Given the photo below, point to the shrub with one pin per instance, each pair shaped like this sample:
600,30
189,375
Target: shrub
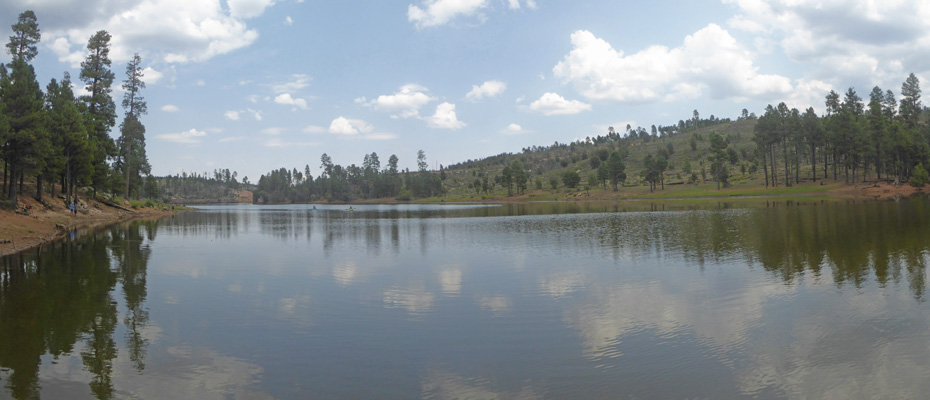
920,176
404,195
571,179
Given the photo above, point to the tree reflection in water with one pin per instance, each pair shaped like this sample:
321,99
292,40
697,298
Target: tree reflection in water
59,299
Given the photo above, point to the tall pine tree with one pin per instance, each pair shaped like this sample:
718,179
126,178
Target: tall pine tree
133,160
101,110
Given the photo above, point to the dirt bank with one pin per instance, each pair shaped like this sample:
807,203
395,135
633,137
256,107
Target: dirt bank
879,191
52,220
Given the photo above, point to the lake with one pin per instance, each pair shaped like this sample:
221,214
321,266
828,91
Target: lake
637,299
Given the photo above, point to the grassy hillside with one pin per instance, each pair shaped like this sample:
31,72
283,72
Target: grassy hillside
553,161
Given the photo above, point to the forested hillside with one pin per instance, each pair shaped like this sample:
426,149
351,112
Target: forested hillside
852,142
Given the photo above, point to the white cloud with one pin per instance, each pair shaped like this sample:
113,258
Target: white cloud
710,59
201,82
380,136
487,89
191,136
231,115
515,4
862,41
62,48
513,129
286,99
150,76
314,129
248,8
276,142
445,117
232,139
193,31
297,82
810,93
345,126
271,131
404,103
438,12
255,113
553,104
288,21
170,108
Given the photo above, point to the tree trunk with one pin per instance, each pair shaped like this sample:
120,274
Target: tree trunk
12,193
39,187
787,174
825,166
765,169
66,181
128,165
814,162
774,166
797,164
834,163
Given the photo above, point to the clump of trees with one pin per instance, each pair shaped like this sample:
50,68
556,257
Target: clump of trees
56,137
338,183
853,138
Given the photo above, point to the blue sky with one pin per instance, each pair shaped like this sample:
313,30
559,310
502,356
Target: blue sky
255,85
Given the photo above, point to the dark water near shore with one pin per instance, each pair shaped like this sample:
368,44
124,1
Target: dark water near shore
771,299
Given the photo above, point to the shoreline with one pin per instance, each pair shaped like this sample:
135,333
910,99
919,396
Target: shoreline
51,221
834,189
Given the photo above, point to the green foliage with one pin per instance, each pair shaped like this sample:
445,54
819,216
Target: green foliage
616,170
27,144
133,160
101,110
719,159
654,170
404,195
554,182
571,179
26,35
919,176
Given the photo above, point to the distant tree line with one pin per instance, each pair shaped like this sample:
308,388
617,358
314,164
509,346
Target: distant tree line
184,187
338,183
55,137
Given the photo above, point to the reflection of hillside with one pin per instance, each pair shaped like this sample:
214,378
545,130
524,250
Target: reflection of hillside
207,224
59,299
851,241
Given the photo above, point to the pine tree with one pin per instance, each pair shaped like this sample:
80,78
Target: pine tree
133,160
26,35
68,134
101,110
26,140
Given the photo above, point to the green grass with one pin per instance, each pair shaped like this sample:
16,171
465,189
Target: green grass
710,190
136,204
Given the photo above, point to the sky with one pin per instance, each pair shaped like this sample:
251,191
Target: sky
256,85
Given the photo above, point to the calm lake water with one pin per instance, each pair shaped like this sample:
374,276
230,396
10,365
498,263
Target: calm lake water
764,299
